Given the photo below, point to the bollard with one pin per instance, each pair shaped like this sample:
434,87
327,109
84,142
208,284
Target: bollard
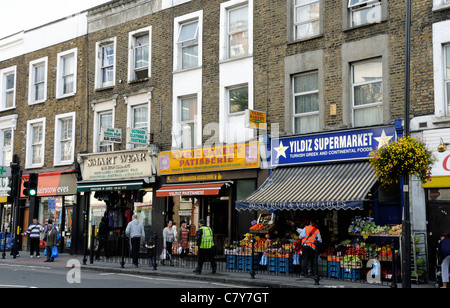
91,257
394,270
252,269
155,250
122,263
316,267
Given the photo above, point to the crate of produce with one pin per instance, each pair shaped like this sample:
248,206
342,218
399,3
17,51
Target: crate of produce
231,262
334,270
351,274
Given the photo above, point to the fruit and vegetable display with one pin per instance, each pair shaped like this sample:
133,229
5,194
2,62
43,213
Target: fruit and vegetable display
366,226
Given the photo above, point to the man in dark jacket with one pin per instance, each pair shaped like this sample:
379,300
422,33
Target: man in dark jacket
102,236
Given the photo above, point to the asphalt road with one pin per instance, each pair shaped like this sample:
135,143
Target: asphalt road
45,276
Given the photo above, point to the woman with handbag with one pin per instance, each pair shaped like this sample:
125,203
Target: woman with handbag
168,238
51,240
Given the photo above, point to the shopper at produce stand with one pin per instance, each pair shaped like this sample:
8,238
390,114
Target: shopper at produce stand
310,236
205,242
444,254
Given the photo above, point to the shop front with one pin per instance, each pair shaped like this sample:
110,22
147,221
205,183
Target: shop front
326,178
115,186
56,200
204,184
437,194
5,214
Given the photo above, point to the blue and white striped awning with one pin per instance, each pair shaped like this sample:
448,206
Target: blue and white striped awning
319,187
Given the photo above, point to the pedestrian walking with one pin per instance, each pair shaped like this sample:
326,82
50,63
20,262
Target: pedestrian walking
34,234
102,237
444,256
310,236
51,238
183,241
169,239
205,242
135,231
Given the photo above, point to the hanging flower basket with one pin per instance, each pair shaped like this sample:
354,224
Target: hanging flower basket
404,156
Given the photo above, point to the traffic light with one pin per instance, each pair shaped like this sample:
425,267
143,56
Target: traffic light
31,185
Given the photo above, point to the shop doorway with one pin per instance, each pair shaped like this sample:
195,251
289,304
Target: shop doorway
219,222
438,214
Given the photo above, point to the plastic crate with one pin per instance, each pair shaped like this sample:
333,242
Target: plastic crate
334,270
351,274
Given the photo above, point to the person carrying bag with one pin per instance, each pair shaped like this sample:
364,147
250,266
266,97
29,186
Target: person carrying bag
51,250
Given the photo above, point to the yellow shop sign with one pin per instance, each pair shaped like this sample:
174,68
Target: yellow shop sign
227,157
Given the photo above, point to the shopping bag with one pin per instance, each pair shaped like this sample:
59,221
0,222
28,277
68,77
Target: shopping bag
296,258
263,260
45,251
163,254
55,253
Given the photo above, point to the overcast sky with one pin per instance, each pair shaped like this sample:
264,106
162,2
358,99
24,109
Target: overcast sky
18,15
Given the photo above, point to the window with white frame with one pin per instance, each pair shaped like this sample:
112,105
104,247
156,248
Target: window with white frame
238,31
66,82
188,121
64,138
8,88
139,118
106,63
6,143
187,44
237,100
447,77
306,103
367,92
37,92
306,18
105,120
364,12
35,143
139,54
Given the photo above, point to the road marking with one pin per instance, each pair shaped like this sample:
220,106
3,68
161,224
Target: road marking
16,286
27,266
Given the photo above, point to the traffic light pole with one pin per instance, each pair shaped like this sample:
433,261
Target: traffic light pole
16,175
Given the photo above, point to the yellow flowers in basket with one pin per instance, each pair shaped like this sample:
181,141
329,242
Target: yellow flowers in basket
407,155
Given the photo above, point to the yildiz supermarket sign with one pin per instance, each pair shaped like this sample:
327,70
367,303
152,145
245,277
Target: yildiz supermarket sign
329,147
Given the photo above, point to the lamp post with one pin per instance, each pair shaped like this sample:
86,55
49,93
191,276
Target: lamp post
406,223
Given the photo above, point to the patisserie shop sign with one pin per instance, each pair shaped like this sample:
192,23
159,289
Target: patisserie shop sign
116,165
331,146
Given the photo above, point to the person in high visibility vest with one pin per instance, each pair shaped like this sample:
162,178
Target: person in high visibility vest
310,236
205,242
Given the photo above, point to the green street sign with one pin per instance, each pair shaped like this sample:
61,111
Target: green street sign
5,172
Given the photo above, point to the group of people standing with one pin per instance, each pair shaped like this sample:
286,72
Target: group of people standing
50,237
205,242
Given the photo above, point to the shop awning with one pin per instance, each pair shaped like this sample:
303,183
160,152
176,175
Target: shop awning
196,189
110,185
332,186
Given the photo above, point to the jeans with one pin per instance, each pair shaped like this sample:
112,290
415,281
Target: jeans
444,268
135,244
34,246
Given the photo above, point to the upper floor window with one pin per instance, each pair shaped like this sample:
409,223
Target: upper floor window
6,144
35,143
8,88
238,31
37,92
364,12
139,56
306,18
106,63
187,44
66,82
367,92
64,139
105,120
447,77
238,100
188,116
306,103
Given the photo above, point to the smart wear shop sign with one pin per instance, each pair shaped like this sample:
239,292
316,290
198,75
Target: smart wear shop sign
329,147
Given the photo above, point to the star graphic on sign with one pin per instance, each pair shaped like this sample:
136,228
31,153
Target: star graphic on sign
281,150
383,139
